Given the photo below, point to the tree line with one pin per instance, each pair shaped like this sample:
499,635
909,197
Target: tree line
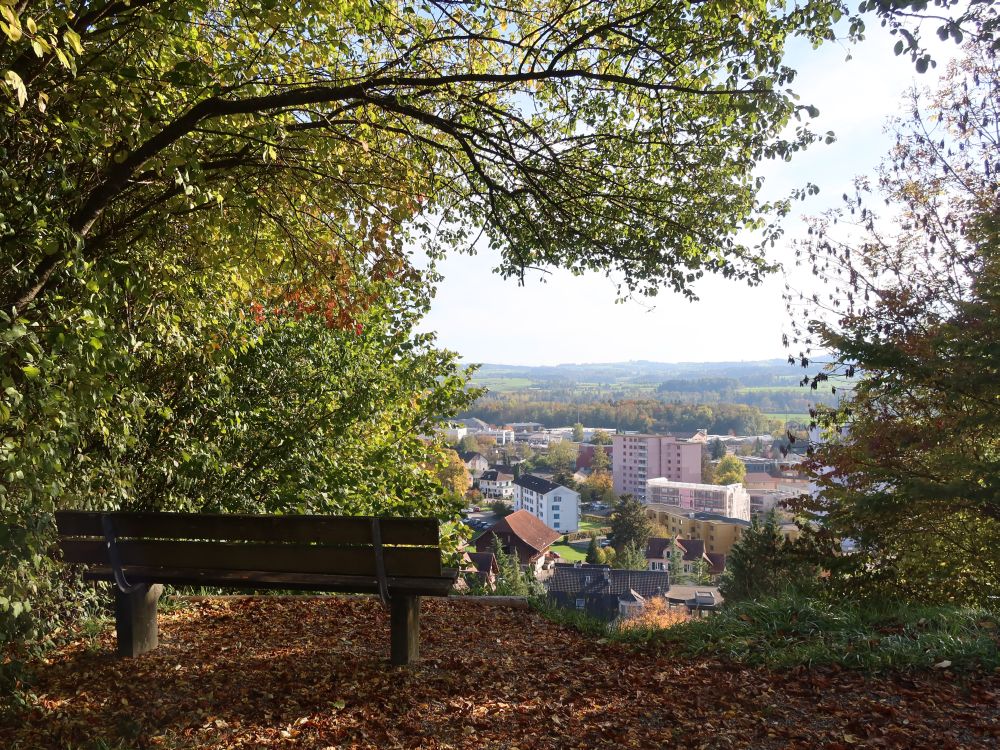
644,415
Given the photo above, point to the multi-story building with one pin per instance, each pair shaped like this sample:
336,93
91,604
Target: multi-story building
551,503
496,485
638,458
730,500
718,532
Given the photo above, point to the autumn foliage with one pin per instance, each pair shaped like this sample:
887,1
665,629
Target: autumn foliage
656,615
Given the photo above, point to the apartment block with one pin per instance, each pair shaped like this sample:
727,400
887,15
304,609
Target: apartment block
638,458
731,500
718,532
550,503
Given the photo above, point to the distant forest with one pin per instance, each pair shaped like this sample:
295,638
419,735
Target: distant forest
722,397
646,415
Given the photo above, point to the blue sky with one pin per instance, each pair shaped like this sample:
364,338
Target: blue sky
564,318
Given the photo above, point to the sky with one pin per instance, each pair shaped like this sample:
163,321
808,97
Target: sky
561,318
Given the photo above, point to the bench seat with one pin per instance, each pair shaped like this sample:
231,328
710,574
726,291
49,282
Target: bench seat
260,579
399,559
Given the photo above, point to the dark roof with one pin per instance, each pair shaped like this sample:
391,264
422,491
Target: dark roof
571,578
631,596
484,561
493,475
694,549
470,455
527,528
717,563
536,484
658,547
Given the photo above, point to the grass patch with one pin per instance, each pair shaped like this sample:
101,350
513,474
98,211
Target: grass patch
569,552
790,631
789,417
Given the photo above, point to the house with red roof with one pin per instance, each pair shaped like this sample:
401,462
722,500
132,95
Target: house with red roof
520,533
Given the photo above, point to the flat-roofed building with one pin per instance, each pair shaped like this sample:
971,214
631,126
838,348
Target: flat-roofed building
730,500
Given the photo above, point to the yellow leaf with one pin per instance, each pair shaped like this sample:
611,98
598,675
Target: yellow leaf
14,81
73,40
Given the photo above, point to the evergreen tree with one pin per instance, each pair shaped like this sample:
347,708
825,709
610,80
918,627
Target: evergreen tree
718,449
630,525
594,551
512,580
632,557
762,563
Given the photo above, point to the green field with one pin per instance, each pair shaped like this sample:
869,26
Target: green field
789,417
503,384
569,552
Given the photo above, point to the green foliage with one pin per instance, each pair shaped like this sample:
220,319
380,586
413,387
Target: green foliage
561,457
718,449
468,444
631,557
601,437
792,630
501,508
764,564
643,414
578,433
600,462
629,525
909,468
730,470
595,555
512,580
697,573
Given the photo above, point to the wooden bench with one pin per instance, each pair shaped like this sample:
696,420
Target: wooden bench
399,559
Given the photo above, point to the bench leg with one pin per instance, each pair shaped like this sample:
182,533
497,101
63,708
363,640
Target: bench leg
404,628
135,619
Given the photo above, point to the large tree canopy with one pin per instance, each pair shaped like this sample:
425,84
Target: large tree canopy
585,135
910,469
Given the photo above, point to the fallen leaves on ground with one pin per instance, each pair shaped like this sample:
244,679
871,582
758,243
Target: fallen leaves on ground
277,672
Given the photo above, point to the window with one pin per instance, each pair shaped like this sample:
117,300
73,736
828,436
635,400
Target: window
580,603
555,524
555,515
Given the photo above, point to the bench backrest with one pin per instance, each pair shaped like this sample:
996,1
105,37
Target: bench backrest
282,544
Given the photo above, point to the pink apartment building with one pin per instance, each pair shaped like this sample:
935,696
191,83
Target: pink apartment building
638,458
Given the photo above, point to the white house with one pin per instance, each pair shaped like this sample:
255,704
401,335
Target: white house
496,485
556,506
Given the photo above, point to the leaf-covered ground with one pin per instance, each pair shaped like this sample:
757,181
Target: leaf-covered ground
314,673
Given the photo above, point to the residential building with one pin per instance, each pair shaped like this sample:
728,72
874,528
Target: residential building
522,534
551,503
638,458
475,462
660,549
731,500
764,501
604,592
480,568
718,532
496,485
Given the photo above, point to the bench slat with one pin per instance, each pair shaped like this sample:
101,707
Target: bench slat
250,579
225,526
278,558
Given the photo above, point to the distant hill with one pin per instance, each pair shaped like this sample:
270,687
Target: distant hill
771,385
